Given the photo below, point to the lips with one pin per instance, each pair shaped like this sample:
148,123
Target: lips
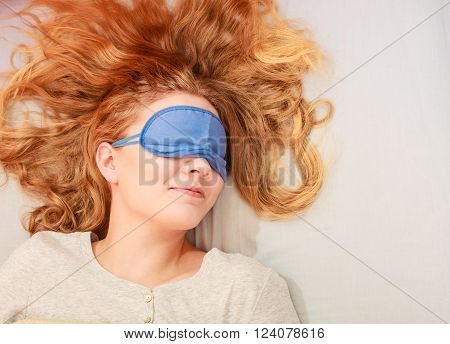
198,191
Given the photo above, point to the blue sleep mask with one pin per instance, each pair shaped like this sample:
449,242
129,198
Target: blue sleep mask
183,130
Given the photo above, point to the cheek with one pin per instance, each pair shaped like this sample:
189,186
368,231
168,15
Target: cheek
153,169
141,182
217,188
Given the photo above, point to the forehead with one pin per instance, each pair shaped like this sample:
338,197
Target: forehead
146,111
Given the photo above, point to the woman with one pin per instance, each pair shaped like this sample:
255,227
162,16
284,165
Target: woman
108,244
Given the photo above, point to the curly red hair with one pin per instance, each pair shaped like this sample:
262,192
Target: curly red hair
95,61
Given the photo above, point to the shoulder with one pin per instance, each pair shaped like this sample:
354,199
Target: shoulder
261,292
45,255
52,237
45,246
251,291
34,260
20,258
18,268
241,269
236,259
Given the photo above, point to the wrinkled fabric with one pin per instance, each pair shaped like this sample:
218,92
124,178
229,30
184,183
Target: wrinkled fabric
55,276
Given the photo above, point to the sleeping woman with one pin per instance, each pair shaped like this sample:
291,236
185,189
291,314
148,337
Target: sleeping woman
147,111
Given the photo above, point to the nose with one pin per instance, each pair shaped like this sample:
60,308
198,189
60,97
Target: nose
198,164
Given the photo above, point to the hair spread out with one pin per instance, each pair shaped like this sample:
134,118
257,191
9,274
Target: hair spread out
95,62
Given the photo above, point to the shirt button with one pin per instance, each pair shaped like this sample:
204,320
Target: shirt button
148,320
148,298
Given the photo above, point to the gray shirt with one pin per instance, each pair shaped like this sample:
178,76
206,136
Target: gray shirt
55,275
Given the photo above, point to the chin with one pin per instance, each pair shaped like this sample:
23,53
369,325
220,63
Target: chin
183,218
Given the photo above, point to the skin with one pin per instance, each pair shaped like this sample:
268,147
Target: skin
145,242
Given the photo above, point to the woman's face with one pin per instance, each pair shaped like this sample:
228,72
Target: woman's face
142,183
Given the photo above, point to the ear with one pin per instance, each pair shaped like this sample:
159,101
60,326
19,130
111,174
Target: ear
105,161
